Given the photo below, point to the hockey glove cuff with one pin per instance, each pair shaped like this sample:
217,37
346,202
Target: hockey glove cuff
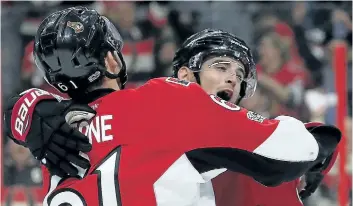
35,119
329,138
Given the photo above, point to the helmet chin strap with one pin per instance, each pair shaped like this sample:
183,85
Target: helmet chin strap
238,100
197,77
241,93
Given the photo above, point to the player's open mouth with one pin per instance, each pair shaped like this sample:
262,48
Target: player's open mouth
225,94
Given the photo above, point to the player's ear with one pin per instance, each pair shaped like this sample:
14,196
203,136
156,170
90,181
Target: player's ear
112,64
185,73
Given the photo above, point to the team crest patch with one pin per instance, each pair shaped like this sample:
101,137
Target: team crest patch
224,103
76,26
255,117
178,81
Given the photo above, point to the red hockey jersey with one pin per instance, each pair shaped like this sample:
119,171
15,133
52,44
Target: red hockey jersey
156,144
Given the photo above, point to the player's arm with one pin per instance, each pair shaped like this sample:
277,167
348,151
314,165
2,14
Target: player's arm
35,119
265,149
308,183
232,137
316,174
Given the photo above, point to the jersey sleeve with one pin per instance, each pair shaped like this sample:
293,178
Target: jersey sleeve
228,136
26,101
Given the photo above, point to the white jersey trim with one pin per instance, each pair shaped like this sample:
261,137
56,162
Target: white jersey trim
291,142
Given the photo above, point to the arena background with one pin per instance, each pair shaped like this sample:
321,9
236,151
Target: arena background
303,46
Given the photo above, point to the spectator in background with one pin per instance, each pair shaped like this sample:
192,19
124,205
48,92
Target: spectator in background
322,100
264,22
286,35
310,49
300,53
183,23
283,81
21,173
21,169
149,44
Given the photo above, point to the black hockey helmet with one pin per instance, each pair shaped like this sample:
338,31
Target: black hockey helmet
208,43
70,47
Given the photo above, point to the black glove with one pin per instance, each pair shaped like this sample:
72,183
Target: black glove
313,181
329,137
39,124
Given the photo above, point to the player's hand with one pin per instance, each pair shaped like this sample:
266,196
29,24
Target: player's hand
316,174
36,120
78,115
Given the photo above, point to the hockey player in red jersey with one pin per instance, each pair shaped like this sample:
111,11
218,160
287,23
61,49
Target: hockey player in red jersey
235,189
138,156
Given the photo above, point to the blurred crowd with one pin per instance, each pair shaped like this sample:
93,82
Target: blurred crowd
293,43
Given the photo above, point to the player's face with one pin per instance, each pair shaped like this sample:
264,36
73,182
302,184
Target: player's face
222,76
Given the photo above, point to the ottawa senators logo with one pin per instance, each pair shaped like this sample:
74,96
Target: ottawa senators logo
76,26
224,103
